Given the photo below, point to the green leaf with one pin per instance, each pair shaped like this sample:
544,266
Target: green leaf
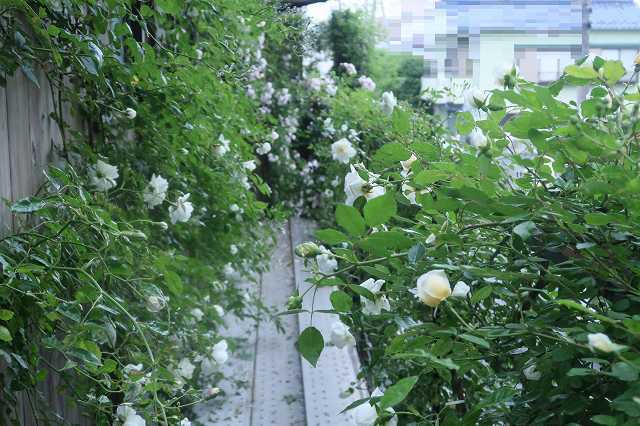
465,122
5,334
380,209
380,241
401,122
624,372
350,219
27,205
613,71
427,177
330,236
341,301
354,404
390,154
5,315
174,283
598,218
398,392
581,72
581,372
525,230
416,253
171,7
603,419
310,344
476,340
481,294
361,291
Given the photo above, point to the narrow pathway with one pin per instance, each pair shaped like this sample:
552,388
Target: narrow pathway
268,383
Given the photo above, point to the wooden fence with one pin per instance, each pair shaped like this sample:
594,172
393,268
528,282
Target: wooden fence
29,141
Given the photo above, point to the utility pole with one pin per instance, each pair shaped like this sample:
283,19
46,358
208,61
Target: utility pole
584,48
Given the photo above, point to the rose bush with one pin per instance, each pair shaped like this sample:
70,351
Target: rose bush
538,227
123,267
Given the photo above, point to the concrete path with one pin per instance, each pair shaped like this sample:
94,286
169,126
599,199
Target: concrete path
268,382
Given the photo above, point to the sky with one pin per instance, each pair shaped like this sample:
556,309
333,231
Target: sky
321,11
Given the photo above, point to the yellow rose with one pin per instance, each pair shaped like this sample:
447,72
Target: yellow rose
433,287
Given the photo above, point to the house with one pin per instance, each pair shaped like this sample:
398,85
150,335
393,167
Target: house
464,42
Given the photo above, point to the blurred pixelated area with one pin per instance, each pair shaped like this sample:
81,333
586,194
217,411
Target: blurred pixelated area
463,42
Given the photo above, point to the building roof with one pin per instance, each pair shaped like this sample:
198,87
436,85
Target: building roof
615,15
538,15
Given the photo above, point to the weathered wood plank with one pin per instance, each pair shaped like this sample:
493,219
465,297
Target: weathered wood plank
5,166
20,148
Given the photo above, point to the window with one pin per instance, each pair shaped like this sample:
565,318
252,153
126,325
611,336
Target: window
542,64
458,64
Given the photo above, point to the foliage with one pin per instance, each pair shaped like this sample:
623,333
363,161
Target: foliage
537,227
128,293
349,36
398,73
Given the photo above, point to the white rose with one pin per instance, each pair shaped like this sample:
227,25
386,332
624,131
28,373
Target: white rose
220,352
477,138
263,149
283,97
433,287
197,314
475,97
381,302
134,420
531,373
327,264
343,151
125,410
181,212
103,176
340,335
249,165
355,186
506,75
602,342
185,422
211,391
130,113
155,303
185,368
350,69
219,310
366,83
388,103
314,84
365,415
461,289
156,191
132,368
223,145
233,249
406,164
